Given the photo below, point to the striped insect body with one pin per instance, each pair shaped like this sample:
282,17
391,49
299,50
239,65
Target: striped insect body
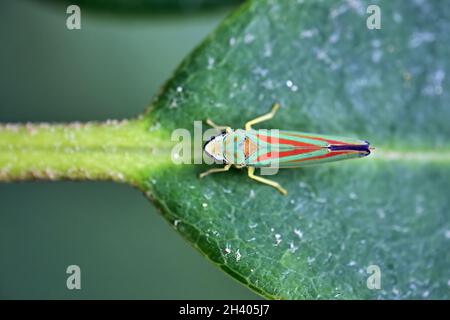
277,148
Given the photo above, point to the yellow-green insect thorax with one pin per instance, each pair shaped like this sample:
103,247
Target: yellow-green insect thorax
233,147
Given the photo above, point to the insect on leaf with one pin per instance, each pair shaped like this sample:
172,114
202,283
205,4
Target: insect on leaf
331,75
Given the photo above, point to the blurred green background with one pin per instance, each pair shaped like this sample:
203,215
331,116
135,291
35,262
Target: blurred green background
110,68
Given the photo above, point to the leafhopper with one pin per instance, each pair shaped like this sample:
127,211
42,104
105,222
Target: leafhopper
253,149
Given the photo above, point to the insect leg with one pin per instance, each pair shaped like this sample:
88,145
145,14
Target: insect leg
276,185
264,117
215,126
215,170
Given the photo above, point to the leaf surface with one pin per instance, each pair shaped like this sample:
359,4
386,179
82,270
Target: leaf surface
332,75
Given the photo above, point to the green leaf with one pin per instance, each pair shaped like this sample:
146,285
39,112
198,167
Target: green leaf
331,75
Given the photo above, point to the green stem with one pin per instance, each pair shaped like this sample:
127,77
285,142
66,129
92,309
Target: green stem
124,151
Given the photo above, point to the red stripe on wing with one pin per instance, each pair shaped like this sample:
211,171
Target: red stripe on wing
273,140
274,155
323,156
316,138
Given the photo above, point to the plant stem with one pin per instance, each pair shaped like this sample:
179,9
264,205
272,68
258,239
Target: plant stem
122,151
